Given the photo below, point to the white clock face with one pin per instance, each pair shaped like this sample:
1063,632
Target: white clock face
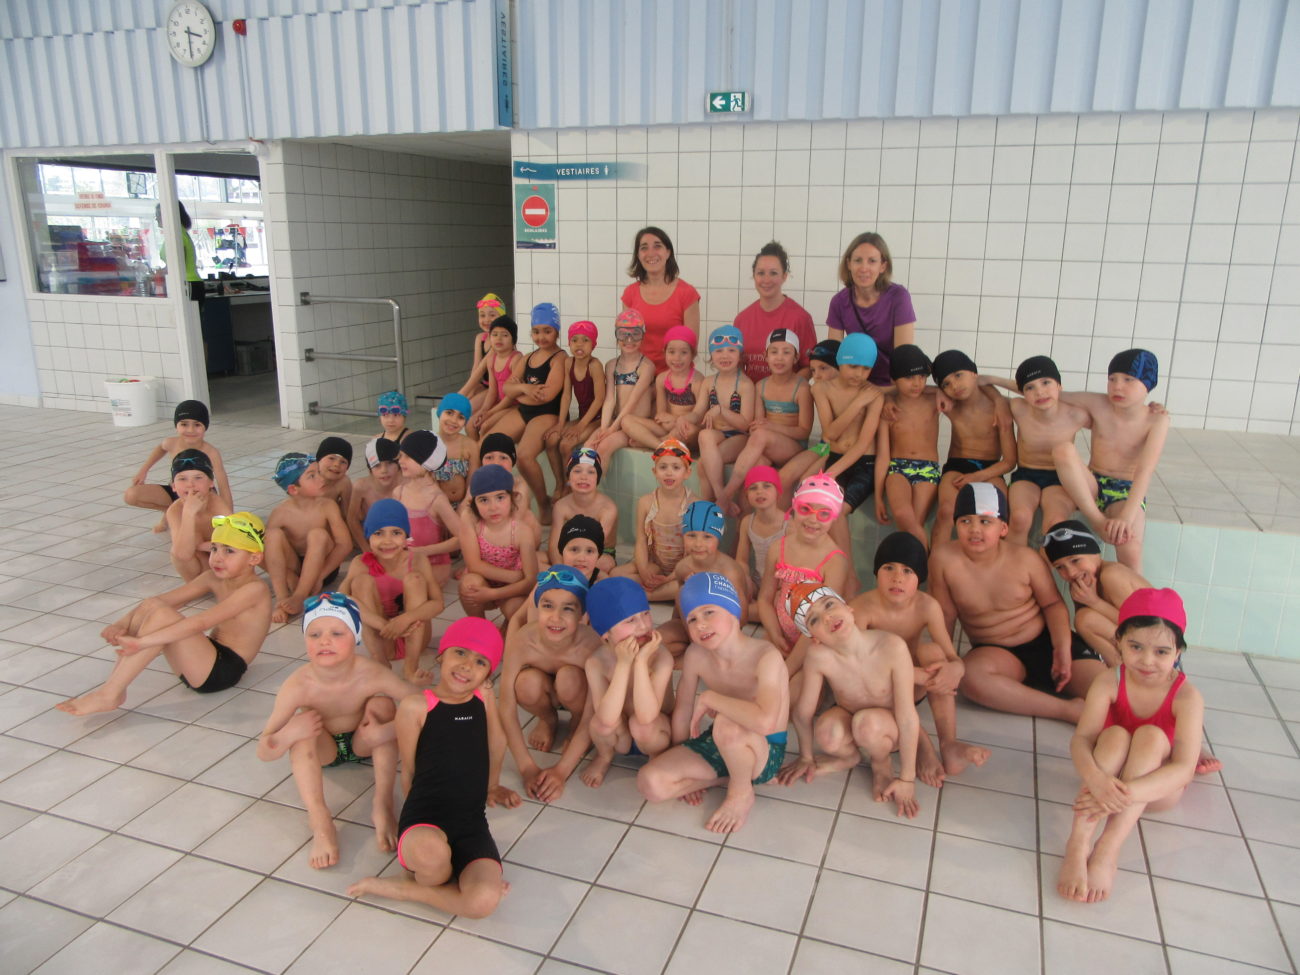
191,32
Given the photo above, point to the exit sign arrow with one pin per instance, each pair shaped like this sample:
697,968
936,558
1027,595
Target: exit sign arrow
728,101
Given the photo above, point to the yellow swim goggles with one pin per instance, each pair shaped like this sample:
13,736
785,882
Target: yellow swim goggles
242,530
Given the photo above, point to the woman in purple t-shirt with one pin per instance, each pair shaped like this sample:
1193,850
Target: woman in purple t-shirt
871,304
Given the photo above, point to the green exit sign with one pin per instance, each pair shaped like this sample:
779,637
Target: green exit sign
728,101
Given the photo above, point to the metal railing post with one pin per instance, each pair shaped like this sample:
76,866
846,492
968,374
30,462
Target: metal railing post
398,360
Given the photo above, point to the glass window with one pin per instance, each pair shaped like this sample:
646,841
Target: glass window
212,189
89,232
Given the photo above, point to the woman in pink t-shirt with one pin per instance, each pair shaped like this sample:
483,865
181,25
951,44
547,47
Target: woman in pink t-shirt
773,310
662,298
871,304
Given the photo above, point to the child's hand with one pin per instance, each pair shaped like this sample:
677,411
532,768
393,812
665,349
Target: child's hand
701,711
112,633
655,578
305,724
193,503
395,627
1061,668
547,786
1156,409
890,412
944,677
665,420
882,515
127,645
625,651
499,795
138,479
943,403
1117,531
1084,591
1104,794
904,796
417,676
800,768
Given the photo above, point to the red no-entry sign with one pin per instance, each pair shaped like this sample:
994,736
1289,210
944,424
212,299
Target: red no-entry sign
535,211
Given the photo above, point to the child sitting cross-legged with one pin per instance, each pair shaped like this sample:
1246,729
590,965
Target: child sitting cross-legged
451,746
395,590
208,651
306,538
189,519
761,527
1136,745
747,695
870,676
898,606
627,678
336,708
385,474
545,668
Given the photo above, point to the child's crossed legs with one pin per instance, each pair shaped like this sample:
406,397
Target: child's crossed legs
426,854
374,738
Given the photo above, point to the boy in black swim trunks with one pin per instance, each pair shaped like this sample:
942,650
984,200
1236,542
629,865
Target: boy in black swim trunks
1026,659
983,443
909,437
1044,423
192,422
451,745
336,708
748,696
205,661
848,408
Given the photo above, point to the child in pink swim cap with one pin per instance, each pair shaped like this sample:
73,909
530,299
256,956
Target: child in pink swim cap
676,392
451,743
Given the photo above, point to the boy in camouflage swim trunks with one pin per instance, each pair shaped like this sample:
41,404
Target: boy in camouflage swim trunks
909,436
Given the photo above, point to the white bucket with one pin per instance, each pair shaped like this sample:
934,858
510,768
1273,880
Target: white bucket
131,401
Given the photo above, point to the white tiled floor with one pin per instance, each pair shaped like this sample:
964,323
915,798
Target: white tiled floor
152,839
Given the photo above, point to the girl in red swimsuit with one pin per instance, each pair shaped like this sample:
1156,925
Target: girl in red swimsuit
395,590
1136,744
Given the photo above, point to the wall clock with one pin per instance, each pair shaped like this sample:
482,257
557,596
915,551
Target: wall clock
191,32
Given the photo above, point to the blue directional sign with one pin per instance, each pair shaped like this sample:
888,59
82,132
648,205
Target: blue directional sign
569,170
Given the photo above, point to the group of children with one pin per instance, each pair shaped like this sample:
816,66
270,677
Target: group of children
848,669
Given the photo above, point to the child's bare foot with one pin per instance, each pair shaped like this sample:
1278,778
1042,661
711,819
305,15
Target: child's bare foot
93,702
324,846
161,527
543,734
882,773
694,798
1101,876
733,812
385,830
594,773
1072,883
957,755
1207,764
929,769
377,886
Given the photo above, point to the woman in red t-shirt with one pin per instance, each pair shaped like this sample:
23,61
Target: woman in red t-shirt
773,310
662,298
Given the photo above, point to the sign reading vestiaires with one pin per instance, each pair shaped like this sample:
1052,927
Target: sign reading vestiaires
728,101
534,216
571,170
501,57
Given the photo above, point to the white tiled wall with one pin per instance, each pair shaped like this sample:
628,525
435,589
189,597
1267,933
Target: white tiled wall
81,341
1075,236
434,234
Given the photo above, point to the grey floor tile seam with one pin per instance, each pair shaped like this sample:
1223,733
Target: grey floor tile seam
1277,713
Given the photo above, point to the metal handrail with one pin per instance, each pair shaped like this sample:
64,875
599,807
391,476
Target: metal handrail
311,355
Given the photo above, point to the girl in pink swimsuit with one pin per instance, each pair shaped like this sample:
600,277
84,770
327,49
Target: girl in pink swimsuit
497,366
395,590
1137,741
434,523
676,392
500,548
805,553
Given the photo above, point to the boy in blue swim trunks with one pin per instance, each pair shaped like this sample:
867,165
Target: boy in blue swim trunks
1128,435
335,709
748,697
627,677
909,437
